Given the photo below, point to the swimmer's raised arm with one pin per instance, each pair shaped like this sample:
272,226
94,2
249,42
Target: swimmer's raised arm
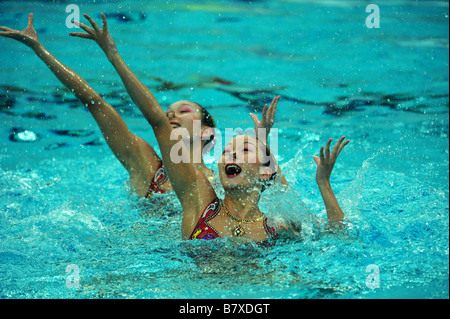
66,75
267,120
266,123
138,92
182,174
325,163
191,186
131,150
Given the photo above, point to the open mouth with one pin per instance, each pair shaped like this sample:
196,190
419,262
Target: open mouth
175,124
232,170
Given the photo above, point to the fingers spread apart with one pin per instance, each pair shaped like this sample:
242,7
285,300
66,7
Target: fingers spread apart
84,27
81,35
339,146
105,24
336,149
92,22
6,29
30,19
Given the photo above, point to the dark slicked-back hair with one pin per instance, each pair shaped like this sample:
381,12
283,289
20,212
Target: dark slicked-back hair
269,162
207,120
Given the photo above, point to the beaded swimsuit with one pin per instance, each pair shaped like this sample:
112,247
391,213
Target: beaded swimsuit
204,231
159,179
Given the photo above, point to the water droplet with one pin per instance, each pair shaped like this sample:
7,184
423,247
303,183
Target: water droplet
24,136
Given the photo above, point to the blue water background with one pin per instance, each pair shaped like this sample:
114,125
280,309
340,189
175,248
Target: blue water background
64,198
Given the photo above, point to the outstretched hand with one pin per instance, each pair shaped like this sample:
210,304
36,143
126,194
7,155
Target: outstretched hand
100,36
28,36
325,163
268,117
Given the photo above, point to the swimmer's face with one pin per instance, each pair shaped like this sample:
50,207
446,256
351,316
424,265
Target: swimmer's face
241,163
183,114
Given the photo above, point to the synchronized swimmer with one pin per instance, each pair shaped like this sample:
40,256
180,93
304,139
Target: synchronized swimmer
243,167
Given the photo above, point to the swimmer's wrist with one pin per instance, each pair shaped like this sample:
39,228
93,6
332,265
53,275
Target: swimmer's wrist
323,182
112,57
37,47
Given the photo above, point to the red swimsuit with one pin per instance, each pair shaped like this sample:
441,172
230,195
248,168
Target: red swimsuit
159,179
204,231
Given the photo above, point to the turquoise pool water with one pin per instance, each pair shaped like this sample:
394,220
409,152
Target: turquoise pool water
64,198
